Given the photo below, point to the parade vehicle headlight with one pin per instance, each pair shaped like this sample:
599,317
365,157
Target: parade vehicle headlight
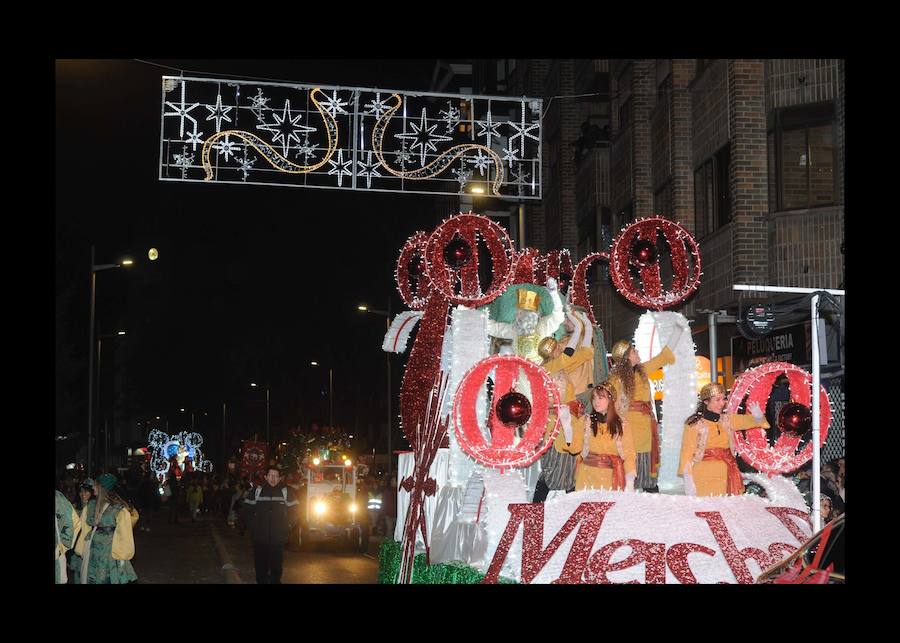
353,508
348,463
320,508
316,461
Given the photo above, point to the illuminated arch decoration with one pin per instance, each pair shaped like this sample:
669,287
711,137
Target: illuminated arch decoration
685,257
165,447
753,445
504,449
350,138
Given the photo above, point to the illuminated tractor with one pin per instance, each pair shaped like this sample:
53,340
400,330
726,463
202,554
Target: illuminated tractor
331,512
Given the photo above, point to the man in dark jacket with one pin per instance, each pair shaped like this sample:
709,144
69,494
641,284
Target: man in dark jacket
270,513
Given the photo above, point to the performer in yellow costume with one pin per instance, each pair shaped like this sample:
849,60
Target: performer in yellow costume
610,462
629,378
707,445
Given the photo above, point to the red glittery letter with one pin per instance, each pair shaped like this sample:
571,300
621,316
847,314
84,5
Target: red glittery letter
736,558
534,555
677,559
652,554
783,514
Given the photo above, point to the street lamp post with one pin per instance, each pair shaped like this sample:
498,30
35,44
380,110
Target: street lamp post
254,385
94,270
387,327
100,406
330,393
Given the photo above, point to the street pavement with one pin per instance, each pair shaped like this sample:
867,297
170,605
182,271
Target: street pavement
209,552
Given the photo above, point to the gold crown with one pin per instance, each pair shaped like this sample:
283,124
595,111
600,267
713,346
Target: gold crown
711,389
609,388
546,347
620,350
528,299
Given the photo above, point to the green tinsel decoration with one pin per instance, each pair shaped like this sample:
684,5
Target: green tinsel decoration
504,307
440,574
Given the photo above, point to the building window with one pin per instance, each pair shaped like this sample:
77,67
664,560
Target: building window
803,141
712,192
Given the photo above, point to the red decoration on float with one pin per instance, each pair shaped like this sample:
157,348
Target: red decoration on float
444,277
410,262
752,445
526,267
502,452
651,295
580,295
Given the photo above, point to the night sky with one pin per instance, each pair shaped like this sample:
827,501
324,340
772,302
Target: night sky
252,283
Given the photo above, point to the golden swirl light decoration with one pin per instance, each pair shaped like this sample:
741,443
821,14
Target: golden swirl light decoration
267,152
437,166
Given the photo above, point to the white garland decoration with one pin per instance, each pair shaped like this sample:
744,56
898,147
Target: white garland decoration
403,326
679,389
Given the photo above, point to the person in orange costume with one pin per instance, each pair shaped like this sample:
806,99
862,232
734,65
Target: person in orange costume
707,446
610,462
629,378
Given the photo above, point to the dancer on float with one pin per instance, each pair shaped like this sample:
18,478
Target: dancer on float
707,446
629,378
610,462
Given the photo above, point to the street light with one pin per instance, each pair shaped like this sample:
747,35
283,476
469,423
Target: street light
254,385
95,268
99,406
387,324
330,394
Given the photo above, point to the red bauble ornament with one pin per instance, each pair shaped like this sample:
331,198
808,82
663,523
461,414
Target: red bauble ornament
513,410
643,253
795,419
457,253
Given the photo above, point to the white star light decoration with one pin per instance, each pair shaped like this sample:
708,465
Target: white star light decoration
376,106
259,101
368,169
306,150
424,137
194,138
481,162
334,105
462,176
246,165
403,156
451,115
523,131
488,128
509,154
226,147
520,178
182,112
285,128
184,160
339,167
218,112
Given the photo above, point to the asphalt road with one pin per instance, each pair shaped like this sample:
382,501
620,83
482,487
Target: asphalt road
196,552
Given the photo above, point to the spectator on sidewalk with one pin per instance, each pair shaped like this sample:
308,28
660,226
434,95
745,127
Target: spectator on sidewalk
270,513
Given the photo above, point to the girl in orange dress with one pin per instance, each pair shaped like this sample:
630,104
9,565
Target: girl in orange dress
707,446
610,462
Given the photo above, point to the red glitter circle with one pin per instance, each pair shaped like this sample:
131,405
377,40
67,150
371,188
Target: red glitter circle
415,245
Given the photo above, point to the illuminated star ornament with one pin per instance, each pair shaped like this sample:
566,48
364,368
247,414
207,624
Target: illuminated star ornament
334,105
481,162
285,128
182,112
520,178
306,150
339,167
226,147
246,165
376,106
368,169
218,112
488,128
424,137
523,131
194,137
451,115
259,101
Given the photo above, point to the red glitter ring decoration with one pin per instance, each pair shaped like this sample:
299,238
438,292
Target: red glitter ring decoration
465,229
502,451
411,264
752,445
635,247
580,295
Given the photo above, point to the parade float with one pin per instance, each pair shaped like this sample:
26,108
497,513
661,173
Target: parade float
479,411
